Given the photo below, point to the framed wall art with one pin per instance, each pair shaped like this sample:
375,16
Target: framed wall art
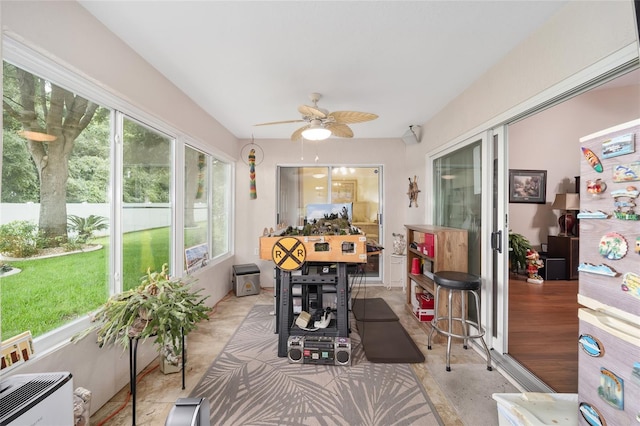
528,186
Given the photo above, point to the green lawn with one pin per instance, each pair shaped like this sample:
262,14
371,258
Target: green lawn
50,292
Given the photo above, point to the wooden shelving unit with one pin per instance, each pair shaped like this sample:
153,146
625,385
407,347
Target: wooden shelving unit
436,248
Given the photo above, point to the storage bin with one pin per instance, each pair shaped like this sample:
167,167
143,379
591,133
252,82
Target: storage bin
537,409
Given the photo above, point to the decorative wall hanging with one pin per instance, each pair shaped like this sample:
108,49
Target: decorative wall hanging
413,191
252,155
528,186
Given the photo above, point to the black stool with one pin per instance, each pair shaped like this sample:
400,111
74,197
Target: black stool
464,283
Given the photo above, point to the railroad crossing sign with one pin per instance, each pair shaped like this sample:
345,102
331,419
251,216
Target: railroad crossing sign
288,253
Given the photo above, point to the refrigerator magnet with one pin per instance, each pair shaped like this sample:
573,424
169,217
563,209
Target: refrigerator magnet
611,389
592,159
591,415
635,373
631,284
620,145
613,246
591,346
626,172
625,202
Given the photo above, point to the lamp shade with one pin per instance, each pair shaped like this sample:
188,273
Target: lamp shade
315,132
566,202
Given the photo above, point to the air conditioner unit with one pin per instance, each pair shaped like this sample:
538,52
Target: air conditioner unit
37,399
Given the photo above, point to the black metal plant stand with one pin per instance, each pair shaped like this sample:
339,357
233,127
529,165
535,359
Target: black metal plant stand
133,358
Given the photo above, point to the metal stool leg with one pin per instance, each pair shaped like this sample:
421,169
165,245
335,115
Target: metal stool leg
450,325
481,331
464,317
434,321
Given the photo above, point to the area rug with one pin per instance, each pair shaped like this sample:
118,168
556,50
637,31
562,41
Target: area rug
248,384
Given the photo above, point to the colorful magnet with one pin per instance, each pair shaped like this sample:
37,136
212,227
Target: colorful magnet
625,202
626,172
586,214
592,159
613,246
635,373
600,269
591,346
631,284
620,145
611,389
591,415
637,250
596,187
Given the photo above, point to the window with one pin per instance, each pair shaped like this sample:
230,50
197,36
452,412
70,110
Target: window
58,188
55,183
146,201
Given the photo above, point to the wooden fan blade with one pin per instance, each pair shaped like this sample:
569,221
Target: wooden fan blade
279,122
308,111
340,130
350,117
297,135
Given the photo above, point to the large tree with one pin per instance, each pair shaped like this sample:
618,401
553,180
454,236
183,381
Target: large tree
48,111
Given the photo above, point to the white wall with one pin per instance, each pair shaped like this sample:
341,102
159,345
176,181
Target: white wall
579,35
549,141
252,216
67,33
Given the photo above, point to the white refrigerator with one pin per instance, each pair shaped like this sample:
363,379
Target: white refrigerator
609,273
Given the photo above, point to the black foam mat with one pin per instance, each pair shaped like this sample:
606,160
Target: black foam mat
374,309
388,342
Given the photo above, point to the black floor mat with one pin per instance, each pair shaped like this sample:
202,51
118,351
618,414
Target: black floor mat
388,342
374,309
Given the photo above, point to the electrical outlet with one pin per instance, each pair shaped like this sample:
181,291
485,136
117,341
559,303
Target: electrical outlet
255,251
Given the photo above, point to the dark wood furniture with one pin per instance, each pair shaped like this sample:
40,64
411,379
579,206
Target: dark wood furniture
567,247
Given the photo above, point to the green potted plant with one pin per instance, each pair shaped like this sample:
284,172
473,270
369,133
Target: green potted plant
518,246
161,307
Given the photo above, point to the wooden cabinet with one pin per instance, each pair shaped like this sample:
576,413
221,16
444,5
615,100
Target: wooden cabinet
567,248
433,249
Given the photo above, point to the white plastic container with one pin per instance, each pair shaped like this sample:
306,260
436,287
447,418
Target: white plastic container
537,409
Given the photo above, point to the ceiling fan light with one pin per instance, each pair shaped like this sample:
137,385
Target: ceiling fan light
316,132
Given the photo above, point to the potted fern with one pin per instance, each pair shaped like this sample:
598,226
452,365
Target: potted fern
518,246
161,307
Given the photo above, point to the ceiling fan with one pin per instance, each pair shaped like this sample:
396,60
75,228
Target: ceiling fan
322,123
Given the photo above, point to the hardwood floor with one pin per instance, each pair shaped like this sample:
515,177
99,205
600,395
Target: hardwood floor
543,330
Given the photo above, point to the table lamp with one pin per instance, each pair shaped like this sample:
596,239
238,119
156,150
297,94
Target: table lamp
566,203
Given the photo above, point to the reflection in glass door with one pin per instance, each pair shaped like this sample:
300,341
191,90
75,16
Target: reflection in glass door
457,178
301,187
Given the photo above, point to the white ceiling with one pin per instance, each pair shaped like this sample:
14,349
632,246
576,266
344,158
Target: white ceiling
248,62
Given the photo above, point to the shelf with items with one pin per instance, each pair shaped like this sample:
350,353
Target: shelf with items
431,249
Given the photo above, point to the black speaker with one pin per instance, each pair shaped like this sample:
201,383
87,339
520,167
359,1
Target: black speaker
555,268
342,351
295,348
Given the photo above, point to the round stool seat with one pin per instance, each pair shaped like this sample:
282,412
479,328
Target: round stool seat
457,280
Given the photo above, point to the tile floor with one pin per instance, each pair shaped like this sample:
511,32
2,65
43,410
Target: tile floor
461,396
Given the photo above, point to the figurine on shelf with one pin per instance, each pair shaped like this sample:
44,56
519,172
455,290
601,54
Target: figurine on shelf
533,264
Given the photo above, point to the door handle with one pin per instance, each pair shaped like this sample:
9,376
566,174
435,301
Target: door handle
496,241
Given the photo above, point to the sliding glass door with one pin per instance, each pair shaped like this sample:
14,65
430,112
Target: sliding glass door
360,187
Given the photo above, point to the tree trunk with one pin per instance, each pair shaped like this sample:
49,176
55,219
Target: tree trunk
54,172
